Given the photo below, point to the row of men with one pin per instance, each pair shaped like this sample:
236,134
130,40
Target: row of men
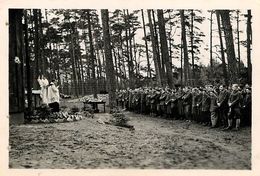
212,106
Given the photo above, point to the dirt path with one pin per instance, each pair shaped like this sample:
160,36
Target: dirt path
156,143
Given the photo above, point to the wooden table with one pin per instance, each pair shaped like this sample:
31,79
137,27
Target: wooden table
36,99
95,104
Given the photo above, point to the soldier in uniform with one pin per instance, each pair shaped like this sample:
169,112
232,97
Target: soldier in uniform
213,109
179,95
187,102
222,102
195,99
234,107
153,102
157,101
174,105
198,104
168,103
148,101
162,109
247,106
205,105
142,101
138,104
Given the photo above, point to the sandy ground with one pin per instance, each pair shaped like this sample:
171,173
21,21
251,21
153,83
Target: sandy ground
155,143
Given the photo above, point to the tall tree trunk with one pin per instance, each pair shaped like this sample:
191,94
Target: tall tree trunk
123,60
127,53
74,72
50,61
94,86
41,47
73,55
109,59
78,61
248,45
192,47
116,71
164,48
82,76
135,58
229,45
87,58
119,66
181,61
225,74
16,77
211,75
36,46
149,75
130,51
155,55
57,63
238,43
28,65
99,66
185,49
170,39
47,65
160,60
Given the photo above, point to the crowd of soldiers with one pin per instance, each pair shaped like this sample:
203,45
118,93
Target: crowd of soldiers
225,108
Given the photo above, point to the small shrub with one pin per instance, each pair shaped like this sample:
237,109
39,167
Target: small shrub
119,119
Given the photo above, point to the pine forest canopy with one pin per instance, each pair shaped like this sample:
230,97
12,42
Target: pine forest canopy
87,50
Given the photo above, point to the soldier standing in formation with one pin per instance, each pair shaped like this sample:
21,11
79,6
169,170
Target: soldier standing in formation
205,106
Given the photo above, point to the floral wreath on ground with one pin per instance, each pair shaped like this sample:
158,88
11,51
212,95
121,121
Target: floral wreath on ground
43,114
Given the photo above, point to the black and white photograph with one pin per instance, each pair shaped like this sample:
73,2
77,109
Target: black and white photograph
123,88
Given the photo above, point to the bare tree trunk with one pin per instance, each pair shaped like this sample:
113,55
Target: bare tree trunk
16,86
185,49
149,75
210,46
181,61
230,45
192,48
248,45
130,51
160,60
41,49
238,43
135,58
47,66
78,62
94,86
164,48
36,45
82,76
58,61
116,71
109,60
155,55
87,58
28,65
74,74
170,40
225,74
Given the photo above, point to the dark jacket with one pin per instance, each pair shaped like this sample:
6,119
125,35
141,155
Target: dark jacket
235,99
213,102
223,98
205,102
